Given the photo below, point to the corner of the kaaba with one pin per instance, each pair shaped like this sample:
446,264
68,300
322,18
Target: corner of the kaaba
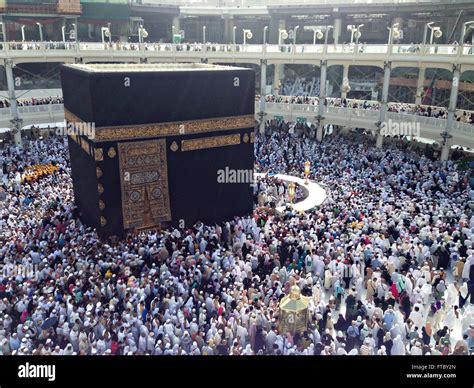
96,183
76,89
110,198
196,194
84,181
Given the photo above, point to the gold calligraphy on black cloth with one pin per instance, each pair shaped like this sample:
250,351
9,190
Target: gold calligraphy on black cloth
144,182
142,131
210,142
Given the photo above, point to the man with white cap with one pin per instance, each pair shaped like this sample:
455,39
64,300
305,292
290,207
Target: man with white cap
14,342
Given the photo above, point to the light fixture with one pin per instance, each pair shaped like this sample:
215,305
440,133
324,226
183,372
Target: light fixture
291,191
307,169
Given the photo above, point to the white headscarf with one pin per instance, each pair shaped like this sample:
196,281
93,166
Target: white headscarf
398,348
451,295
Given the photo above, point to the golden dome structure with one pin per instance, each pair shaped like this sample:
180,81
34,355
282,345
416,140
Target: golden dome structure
294,313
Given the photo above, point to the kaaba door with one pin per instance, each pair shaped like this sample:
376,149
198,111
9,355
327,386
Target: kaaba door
144,184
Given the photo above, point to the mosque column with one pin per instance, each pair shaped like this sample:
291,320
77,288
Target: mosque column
263,84
228,29
176,23
345,78
279,68
398,20
453,99
336,32
281,26
16,121
322,97
420,86
76,33
90,31
383,104
279,74
273,31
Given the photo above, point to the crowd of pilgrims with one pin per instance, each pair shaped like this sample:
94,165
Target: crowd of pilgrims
270,192
386,261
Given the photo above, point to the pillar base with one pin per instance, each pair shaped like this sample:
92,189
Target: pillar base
261,127
379,141
319,134
445,153
17,138
345,129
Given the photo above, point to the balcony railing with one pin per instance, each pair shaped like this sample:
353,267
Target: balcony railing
246,3
210,49
347,114
29,110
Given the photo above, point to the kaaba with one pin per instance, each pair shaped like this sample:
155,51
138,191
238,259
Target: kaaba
157,138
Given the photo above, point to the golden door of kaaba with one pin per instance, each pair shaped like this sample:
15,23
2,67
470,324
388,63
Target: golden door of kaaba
144,183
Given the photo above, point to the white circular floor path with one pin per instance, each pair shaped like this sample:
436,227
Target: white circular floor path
316,194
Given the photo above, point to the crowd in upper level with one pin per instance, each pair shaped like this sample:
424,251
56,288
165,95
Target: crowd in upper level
5,103
463,116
